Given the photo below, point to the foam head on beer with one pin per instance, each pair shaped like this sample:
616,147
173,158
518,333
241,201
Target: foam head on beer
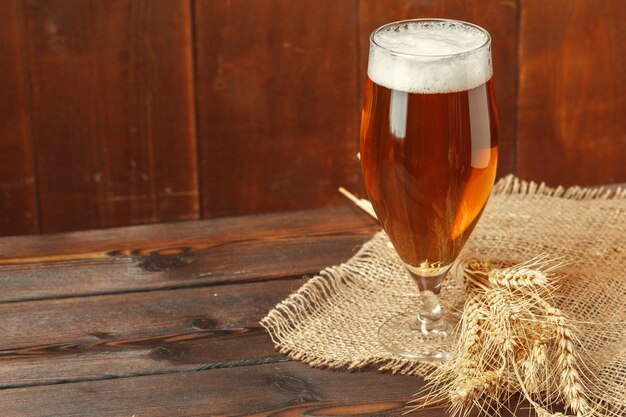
430,57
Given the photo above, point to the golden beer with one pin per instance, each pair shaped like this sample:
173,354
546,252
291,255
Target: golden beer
430,179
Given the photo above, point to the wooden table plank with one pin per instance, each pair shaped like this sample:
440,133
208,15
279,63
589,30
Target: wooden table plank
114,336
283,389
196,235
239,262
191,254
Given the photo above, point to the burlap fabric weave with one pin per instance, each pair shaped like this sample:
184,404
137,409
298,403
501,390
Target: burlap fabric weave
332,320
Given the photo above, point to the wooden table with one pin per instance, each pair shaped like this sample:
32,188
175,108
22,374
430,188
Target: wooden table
163,320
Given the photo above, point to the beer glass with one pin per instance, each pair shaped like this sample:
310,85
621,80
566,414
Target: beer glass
428,155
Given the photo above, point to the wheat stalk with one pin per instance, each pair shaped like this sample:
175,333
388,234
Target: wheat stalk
513,340
513,278
571,384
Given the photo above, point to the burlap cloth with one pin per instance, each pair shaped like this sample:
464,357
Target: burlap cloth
332,320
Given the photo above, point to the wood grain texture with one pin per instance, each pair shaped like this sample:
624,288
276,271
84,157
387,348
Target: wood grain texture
572,96
100,337
195,254
283,389
18,206
276,90
67,336
142,240
113,112
499,17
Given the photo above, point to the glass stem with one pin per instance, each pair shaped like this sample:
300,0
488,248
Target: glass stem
429,316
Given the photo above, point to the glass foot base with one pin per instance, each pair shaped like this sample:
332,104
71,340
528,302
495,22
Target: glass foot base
408,337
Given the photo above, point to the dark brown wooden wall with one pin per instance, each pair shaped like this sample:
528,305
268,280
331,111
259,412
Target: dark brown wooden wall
116,112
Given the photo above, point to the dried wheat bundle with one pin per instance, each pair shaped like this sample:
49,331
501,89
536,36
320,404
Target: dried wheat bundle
514,345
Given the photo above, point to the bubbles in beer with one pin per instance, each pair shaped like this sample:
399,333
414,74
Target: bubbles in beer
430,57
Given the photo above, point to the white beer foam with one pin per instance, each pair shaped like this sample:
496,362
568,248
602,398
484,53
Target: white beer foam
430,57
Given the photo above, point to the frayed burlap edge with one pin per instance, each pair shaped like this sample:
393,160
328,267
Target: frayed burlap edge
315,296
514,186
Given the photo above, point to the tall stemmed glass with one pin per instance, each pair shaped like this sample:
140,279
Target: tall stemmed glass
429,155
